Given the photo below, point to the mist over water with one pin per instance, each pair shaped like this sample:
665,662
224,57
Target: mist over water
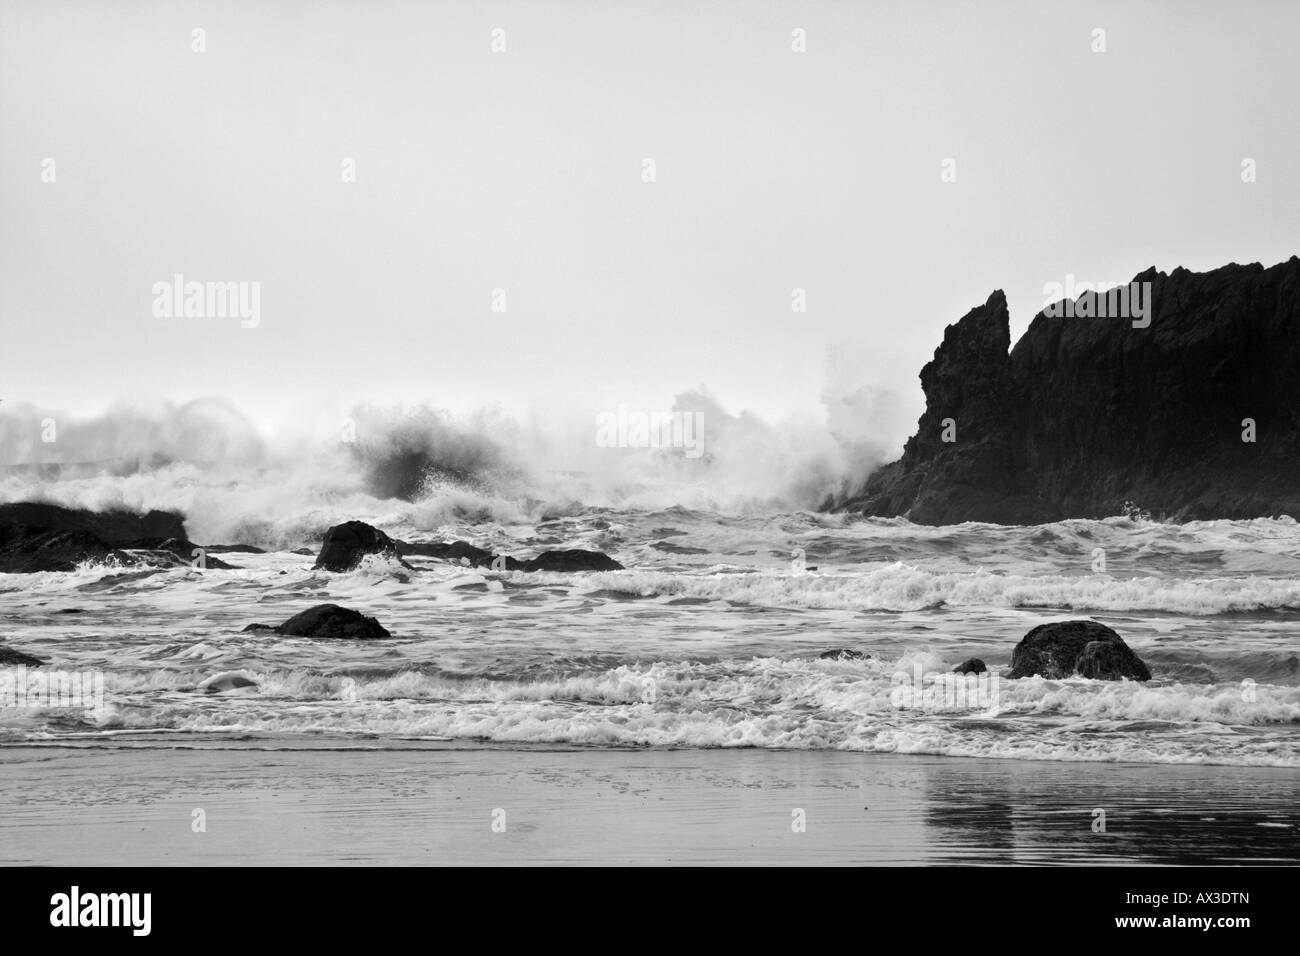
282,488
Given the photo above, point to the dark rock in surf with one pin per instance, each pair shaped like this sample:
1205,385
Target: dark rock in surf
26,550
457,552
12,658
460,552
573,559
1108,660
670,548
613,594
186,552
328,621
971,666
1087,413
42,537
112,527
844,654
1065,648
346,544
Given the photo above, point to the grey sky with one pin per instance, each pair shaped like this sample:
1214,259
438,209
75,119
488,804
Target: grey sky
522,170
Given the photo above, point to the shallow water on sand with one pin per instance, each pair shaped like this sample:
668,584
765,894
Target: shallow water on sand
426,803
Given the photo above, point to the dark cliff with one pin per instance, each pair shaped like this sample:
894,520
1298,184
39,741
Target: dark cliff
1085,414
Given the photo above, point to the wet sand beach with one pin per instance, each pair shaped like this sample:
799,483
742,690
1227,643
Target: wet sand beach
134,802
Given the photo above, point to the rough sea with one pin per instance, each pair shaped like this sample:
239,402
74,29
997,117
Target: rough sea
712,637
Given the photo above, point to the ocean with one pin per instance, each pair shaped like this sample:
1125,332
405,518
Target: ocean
712,637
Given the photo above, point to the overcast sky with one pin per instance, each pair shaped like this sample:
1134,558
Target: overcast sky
523,170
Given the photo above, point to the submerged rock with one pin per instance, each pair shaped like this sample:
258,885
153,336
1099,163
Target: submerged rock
346,544
188,553
230,680
328,621
1087,648
970,666
844,654
669,548
457,552
12,658
460,552
573,559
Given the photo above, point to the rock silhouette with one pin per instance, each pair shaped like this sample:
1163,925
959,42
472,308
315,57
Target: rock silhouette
1086,414
9,657
1065,648
42,537
346,544
328,621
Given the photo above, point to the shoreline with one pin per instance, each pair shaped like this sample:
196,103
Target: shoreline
427,803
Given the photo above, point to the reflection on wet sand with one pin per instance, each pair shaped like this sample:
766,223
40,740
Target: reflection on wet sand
1012,812
308,801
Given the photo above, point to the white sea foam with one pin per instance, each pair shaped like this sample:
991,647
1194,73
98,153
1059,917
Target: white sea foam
761,702
900,587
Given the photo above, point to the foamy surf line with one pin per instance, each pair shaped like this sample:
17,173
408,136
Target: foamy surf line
894,587
903,587
763,703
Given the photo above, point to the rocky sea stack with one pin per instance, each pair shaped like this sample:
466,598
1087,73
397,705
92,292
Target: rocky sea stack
1087,413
